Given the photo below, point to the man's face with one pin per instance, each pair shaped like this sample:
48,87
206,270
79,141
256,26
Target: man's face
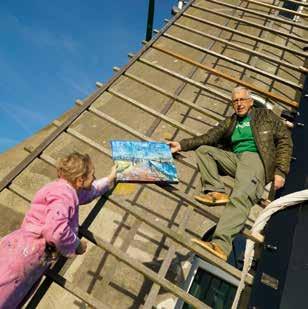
241,103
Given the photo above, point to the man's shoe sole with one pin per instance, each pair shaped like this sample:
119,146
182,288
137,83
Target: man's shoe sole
209,203
209,249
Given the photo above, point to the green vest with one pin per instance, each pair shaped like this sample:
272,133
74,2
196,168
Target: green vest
242,138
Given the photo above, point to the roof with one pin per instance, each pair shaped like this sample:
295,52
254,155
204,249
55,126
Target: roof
177,85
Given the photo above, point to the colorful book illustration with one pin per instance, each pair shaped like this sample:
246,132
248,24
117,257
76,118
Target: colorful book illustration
143,162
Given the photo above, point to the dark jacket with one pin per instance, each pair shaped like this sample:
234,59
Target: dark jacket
272,137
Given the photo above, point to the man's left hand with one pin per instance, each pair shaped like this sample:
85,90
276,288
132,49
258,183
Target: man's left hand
278,182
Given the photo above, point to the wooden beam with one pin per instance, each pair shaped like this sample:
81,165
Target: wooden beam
154,113
169,188
125,259
90,99
148,273
181,239
245,49
255,12
278,8
74,290
152,295
300,3
236,62
228,77
247,35
195,107
285,34
186,79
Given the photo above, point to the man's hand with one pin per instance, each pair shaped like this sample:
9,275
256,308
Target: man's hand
278,182
82,247
174,146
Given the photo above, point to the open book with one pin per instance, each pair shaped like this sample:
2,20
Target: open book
143,161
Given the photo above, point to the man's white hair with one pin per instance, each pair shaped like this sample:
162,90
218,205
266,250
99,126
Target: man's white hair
241,88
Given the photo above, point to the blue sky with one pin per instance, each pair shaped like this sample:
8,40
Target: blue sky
53,52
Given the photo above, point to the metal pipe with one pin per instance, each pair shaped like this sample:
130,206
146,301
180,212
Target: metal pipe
150,20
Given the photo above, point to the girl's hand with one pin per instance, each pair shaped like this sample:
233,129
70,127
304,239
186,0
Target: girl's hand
113,174
82,247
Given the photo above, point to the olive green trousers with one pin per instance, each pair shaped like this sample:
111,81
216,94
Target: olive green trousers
248,172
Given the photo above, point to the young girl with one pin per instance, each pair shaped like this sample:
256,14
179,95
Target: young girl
50,227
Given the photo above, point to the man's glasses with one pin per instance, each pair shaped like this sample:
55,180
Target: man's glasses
240,100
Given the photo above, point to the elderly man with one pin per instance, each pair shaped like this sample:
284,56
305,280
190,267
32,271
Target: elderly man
261,149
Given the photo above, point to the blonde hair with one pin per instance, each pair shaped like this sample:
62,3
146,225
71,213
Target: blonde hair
73,166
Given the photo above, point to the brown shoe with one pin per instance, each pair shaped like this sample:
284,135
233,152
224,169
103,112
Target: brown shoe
213,198
211,247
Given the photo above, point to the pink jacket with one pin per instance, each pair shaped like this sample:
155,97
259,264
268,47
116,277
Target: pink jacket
54,213
52,219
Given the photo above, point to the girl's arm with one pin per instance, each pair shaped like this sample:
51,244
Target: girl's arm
99,187
57,229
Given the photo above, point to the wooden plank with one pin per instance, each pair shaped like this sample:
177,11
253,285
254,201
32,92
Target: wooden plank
285,34
228,77
88,101
246,35
196,107
179,238
124,246
144,270
182,239
158,279
278,8
284,21
186,79
301,3
74,290
169,188
236,62
150,300
128,129
245,49
155,113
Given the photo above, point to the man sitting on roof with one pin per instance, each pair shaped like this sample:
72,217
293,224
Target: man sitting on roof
261,149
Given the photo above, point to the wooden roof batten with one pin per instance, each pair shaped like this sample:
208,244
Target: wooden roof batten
256,25
251,51
179,236
267,16
246,35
